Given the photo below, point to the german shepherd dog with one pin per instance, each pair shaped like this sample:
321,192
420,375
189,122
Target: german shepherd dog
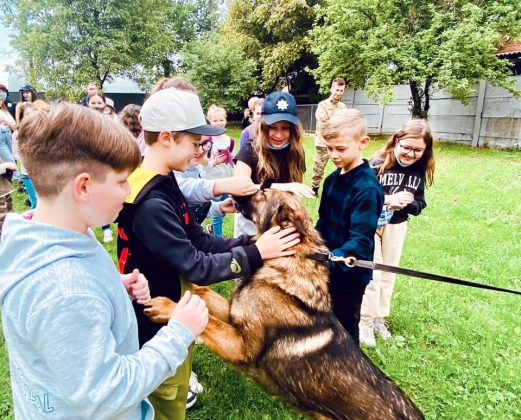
279,328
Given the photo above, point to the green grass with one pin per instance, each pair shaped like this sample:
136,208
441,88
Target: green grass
456,351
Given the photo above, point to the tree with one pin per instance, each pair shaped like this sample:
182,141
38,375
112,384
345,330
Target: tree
447,44
275,35
65,43
220,72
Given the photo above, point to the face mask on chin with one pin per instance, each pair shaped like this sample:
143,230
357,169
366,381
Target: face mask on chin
3,96
278,148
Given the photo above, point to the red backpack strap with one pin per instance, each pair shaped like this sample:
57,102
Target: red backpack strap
232,145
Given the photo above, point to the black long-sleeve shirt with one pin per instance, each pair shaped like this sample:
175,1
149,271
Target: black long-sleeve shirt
396,179
158,235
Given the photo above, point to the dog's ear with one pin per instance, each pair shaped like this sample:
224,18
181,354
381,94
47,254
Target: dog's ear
287,216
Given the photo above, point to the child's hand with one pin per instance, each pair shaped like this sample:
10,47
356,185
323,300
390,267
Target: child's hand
300,190
237,185
159,309
7,166
137,286
191,311
274,242
227,206
220,158
399,200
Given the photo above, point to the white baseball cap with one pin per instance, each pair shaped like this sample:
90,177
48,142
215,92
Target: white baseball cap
176,110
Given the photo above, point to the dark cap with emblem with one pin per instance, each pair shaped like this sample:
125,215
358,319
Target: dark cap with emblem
280,106
25,88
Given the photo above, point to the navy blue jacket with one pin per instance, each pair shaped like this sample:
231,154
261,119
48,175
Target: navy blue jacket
349,209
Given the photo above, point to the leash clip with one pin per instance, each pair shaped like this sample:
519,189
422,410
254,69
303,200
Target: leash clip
349,261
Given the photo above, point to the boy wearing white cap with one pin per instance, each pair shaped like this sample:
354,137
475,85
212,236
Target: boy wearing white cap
158,235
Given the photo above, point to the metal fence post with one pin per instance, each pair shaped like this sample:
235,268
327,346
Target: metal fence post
479,113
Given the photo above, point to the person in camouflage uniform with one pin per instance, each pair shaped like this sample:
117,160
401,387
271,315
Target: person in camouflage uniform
324,111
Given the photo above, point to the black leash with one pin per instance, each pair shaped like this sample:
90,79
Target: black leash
353,262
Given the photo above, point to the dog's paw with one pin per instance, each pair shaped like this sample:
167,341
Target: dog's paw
159,309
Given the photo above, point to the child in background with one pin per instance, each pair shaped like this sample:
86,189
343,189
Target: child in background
7,126
248,134
350,206
29,187
403,166
27,95
220,163
210,208
96,101
6,188
129,117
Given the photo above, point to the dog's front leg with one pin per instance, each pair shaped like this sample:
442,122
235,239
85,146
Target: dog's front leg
224,340
218,306
160,308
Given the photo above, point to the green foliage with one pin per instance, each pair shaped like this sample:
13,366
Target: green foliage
445,44
276,35
63,44
220,71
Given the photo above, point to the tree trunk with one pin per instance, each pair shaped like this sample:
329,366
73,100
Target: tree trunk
167,68
420,96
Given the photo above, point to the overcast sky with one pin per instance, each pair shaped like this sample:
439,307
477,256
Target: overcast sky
7,55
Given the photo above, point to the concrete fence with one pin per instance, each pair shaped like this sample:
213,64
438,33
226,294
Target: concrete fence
492,117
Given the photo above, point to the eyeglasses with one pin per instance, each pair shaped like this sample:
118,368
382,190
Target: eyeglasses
206,145
407,150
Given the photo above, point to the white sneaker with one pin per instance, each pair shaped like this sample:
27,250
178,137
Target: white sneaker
107,236
382,328
194,385
366,334
191,399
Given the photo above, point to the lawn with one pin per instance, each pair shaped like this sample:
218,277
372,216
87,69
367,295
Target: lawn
455,351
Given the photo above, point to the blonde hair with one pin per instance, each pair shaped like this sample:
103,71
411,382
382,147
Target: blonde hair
66,140
215,110
345,119
417,129
267,167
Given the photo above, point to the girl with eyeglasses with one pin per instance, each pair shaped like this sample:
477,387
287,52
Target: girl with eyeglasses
404,166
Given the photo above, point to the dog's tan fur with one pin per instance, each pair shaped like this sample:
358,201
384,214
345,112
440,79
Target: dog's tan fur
279,328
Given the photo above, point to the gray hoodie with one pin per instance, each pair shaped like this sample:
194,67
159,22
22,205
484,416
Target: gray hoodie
71,332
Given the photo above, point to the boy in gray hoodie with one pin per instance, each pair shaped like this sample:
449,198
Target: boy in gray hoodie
67,316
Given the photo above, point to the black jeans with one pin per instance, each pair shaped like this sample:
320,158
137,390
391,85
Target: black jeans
347,295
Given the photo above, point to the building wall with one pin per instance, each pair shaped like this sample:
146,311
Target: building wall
491,118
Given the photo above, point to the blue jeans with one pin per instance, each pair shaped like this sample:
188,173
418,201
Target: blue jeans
29,187
217,221
6,145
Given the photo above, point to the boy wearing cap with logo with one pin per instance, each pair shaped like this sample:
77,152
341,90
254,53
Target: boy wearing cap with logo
158,235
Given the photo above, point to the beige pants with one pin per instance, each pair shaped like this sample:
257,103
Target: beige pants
388,247
319,163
